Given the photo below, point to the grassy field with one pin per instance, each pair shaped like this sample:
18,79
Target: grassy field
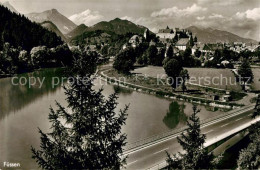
216,78
256,84
146,80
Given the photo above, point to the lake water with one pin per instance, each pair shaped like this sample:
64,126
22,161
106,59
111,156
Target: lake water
24,109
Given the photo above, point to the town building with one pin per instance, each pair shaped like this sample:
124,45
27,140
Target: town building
134,41
172,36
183,44
166,33
146,34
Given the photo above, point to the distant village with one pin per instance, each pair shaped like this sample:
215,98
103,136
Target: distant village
181,39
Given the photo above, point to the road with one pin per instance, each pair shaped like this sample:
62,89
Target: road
153,156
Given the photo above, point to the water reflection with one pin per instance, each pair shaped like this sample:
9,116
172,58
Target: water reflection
16,97
175,115
122,91
20,130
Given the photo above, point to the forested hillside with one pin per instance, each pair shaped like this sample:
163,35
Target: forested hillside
19,31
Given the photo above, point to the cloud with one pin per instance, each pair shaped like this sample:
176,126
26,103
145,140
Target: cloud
118,10
87,17
128,18
200,18
175,11
220,2
215,16
241,23
253,14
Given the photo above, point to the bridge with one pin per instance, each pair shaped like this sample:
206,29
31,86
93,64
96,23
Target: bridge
150,153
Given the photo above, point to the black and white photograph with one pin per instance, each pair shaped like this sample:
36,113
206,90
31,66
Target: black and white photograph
129,84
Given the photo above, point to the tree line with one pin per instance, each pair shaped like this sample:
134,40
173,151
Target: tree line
145,54
19,31
17,60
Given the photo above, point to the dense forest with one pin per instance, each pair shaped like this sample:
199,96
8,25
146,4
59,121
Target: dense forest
17,30
25,45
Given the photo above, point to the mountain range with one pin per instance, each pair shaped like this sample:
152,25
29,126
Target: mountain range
19,31
77,31
118,26
210,35
52,27
63,23
10,7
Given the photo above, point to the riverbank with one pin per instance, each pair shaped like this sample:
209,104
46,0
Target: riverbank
28,72
147,85
19,104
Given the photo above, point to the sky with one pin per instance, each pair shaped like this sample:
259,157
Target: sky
241,17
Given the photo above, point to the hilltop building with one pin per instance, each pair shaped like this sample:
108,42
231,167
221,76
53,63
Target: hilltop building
167,35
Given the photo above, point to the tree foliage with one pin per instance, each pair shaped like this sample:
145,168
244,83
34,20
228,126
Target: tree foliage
257,108
124,61
152,54
184,74
195,156
16,60
17,30
173,69
160,57
169,52
249,158
87,133
39,55
245,72
187,59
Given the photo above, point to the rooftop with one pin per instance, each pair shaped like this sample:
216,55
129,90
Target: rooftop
183,41
165,31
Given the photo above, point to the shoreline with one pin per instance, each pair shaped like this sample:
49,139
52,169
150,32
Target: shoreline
174,96
27,72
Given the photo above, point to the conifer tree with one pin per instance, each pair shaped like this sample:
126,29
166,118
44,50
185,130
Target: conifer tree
87,133
169,52
195,156
245,73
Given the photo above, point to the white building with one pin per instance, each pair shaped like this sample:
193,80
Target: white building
166,33
182,44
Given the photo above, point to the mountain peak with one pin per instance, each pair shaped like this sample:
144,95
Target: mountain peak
6,3
54,11
63,23
212,35
117,19
82,25
117,26
9,6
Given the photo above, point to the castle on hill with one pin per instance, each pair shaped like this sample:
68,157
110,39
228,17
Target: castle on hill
173,34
